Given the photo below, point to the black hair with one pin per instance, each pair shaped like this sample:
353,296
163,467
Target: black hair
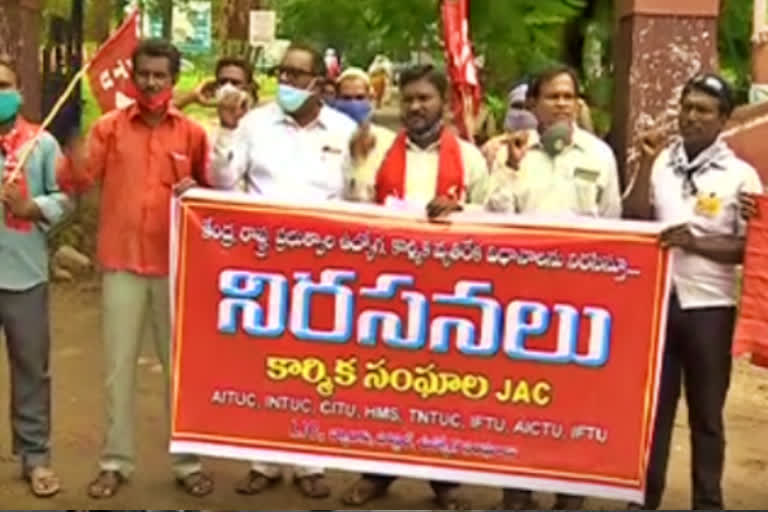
713,85
237,62
426,72
549,74
158,48
318,63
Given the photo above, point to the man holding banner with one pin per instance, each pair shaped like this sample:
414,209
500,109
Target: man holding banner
427,166
696,183
560,169
141,154
291,150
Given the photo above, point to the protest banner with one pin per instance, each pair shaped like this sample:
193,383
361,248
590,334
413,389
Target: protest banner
495,351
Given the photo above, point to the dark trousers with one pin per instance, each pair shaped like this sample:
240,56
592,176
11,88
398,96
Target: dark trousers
698,352
437,487
24,318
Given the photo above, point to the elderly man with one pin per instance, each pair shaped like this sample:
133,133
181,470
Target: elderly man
425,166
548,165
31,203
695,183
292,149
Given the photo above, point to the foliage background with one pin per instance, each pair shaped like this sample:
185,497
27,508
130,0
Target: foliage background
515,37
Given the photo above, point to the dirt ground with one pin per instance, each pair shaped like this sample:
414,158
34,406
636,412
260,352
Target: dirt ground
78,427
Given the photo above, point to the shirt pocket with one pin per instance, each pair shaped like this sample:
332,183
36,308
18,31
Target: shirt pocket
179,168
587,190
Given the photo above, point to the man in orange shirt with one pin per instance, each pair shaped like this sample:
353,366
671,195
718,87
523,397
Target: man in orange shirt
141,155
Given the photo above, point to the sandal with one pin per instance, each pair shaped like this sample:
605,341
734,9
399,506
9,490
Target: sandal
313,486
255,482
197,484
515,499
105,485
450,498
568,502
365,490
43,482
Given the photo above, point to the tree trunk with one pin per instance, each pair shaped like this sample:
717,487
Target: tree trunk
98,15
167,14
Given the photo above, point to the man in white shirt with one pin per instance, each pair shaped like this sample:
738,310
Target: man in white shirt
426,166
559,168
695,183
553,169
292,150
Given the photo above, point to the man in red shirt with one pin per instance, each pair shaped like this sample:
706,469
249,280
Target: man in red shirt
141,155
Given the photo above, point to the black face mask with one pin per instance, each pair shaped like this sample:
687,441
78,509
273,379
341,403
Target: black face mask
428,135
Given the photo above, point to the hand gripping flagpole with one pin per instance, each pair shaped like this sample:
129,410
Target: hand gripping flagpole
47,122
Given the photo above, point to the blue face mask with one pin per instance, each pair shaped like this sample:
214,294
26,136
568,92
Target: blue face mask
358,110
10,104
291,98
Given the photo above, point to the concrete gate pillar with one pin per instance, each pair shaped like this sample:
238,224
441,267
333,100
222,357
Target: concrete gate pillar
659,45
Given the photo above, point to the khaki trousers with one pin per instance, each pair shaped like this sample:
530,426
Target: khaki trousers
127,298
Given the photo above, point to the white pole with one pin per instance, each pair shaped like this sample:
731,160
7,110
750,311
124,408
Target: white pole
759,16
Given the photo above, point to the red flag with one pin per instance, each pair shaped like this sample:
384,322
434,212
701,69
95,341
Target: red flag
460,64
110,69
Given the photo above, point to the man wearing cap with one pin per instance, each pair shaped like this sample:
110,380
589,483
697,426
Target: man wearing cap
695,183
548,165
370,143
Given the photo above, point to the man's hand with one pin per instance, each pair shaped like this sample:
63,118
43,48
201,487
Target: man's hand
184,185
517,147
678,236
21,207
232,106
442,206
747,206
651,143
205,93
362,142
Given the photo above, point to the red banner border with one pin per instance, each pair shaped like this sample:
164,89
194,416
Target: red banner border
659,318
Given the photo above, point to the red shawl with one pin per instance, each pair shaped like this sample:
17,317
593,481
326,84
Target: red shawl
390,180
12,145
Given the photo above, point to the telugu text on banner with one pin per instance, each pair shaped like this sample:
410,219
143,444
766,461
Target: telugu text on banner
356,338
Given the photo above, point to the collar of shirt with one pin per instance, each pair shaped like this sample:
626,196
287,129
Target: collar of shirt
579,140
172,113
435,146
321,121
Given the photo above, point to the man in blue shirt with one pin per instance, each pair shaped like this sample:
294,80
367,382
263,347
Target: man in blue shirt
30,203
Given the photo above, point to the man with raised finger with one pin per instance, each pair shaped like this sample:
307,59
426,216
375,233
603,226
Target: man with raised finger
695,184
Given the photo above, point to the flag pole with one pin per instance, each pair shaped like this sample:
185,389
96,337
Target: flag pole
48,120
60,102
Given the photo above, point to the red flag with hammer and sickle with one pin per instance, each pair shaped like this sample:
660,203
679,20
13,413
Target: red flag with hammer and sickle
110,70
